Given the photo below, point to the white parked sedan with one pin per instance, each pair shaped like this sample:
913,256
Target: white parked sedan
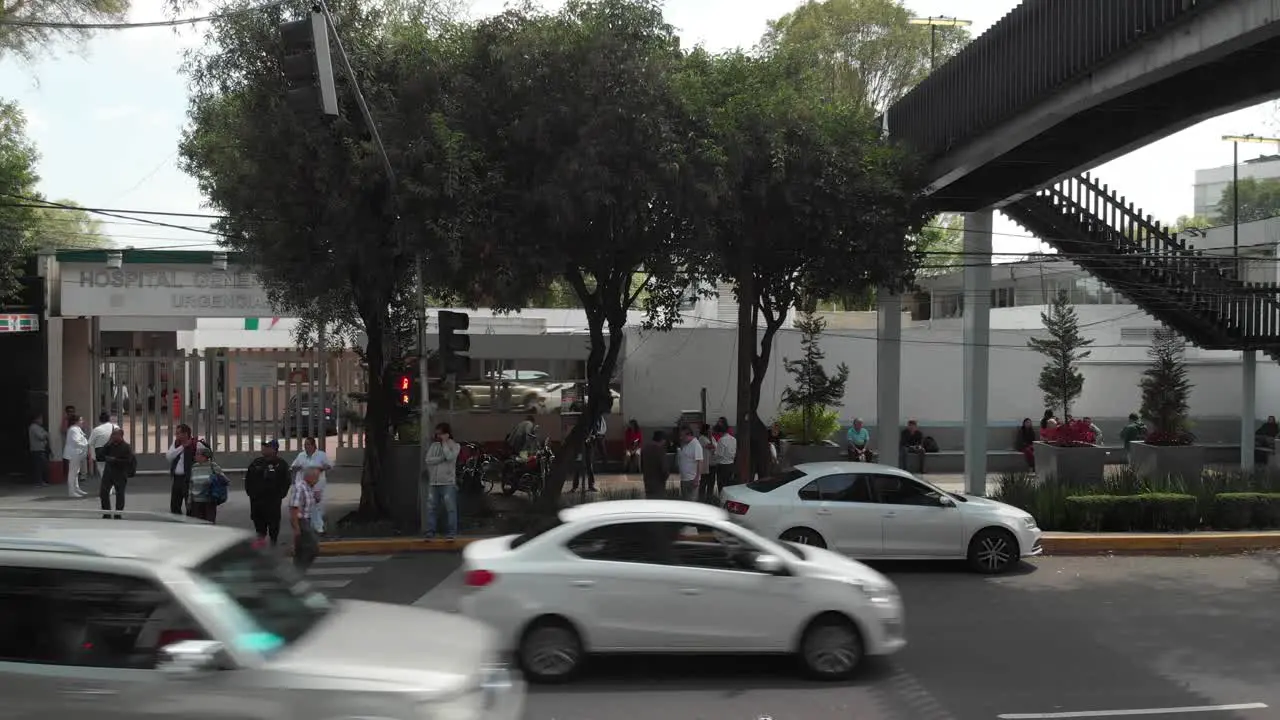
870,511
666,576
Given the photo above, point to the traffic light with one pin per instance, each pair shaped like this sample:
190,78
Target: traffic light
307,65
404,390
454,342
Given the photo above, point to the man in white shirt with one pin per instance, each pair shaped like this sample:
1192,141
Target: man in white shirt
98,438
723,462
312,458
689,459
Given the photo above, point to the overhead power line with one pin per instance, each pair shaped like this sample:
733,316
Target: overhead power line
177,22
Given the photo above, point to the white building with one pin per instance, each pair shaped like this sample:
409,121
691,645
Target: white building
1212,182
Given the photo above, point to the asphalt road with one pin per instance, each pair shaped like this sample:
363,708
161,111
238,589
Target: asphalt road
1066,636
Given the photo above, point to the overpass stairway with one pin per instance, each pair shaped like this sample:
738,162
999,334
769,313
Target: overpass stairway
1196,294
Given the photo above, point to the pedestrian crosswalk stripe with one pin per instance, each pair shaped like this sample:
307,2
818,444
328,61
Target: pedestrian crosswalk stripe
341,559
321,571
444,597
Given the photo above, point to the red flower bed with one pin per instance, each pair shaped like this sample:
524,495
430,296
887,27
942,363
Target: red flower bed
1076,433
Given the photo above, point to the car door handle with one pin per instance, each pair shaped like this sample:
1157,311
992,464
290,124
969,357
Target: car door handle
690,591
824,511
88,692
890,514
583,583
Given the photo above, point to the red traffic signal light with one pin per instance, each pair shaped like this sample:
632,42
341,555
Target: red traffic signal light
405,386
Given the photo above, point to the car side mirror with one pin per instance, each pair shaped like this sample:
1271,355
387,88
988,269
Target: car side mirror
191,657
769,564
946,501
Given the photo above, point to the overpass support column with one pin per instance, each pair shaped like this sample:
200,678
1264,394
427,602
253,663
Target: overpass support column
888,373
977,346
1248,407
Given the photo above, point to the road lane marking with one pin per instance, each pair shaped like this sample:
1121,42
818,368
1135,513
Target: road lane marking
339,559
444,596
328,584
317,572
1139,711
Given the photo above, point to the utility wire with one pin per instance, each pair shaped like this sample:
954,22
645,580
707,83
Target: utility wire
139,25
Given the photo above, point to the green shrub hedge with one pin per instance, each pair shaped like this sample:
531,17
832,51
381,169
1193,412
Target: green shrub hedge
1237,511
1124,513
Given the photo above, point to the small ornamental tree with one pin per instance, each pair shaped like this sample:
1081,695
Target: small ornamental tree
814,390
1166,390
1061,380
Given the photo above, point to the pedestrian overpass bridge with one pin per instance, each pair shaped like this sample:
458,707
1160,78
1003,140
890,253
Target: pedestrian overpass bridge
1054,88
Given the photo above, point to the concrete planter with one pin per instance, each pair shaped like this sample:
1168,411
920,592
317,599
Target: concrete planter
1157,462
1073,465
822,452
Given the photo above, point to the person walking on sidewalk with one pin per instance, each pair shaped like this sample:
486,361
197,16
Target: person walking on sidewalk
302,502
38,442
267,482
118,465
311,457
440,473
74,452
655,466
182,459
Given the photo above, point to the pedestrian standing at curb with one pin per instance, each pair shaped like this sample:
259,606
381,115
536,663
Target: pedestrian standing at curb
74,453
311,457
209,485
182,459
689,458
438,483
118,465
267,482
654,466
38,442
98,438
302,502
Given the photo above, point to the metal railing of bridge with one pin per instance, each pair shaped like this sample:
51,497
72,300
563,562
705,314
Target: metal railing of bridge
1037,48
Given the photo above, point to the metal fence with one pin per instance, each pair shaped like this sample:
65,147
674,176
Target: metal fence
234,399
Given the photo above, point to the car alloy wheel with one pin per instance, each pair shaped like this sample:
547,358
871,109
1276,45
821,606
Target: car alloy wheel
992,551
803,536
551,652
832,649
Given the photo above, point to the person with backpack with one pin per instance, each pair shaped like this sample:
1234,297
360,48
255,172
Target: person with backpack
209,485
267,482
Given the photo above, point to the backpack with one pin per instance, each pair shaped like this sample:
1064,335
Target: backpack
930,445
219,484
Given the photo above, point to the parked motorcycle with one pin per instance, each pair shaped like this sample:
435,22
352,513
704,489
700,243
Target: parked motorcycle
478,471
527,472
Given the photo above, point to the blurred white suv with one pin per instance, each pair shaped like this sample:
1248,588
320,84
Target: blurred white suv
878,512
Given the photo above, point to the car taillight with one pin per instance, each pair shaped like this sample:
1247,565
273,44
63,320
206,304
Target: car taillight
480,578
736,508
170,637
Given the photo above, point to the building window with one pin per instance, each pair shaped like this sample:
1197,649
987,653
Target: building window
1002,297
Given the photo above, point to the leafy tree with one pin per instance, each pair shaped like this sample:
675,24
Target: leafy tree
1259,199
814,389
309,203
808,202
28,26
1191,222
577,116
1166,390
18,179
64,226
1061,380
864,49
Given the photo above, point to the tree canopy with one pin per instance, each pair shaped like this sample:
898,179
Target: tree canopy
18,178
1259,200
32,26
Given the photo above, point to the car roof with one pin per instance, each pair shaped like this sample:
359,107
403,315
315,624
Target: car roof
183,544
674,509
819,469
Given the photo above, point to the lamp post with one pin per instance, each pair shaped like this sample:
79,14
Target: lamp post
1235,141
934,23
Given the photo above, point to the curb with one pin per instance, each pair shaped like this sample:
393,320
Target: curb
393,546
1184,544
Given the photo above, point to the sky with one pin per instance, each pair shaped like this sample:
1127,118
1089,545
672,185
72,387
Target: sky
107,116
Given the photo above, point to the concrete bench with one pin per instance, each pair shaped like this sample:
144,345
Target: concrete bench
952,461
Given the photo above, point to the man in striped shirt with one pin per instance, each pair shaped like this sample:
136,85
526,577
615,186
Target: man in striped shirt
302,502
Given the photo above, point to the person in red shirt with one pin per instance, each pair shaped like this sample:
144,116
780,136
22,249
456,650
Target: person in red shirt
631,441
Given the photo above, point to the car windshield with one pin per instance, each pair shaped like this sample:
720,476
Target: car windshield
773,482
265,603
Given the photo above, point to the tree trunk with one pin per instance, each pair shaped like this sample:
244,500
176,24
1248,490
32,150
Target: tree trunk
373,505
746,362
601,362
760,455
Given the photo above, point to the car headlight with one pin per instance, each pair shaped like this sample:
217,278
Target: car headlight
877,594
1029,522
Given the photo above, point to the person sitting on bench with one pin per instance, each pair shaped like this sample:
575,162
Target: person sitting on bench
859,439
911,442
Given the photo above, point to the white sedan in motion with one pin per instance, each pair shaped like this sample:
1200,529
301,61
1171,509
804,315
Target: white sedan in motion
877,512
667,576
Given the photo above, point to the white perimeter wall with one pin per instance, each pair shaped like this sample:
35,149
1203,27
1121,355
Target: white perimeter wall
664,373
